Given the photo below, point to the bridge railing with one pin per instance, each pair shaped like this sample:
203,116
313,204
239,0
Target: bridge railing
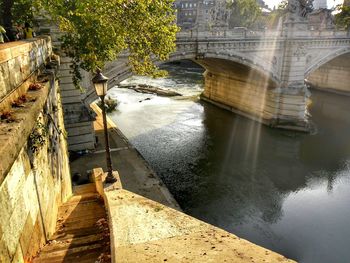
235,34
242,33
329,33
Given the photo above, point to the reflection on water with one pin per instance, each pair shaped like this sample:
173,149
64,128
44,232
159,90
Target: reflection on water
294,199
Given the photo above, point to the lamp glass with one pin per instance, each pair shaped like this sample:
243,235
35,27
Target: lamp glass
101,88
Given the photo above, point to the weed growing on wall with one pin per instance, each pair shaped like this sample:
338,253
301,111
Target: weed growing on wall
38,136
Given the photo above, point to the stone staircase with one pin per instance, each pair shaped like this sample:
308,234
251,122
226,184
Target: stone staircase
78,118
82,233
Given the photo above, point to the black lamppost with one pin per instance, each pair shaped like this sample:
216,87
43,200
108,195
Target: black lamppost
100,84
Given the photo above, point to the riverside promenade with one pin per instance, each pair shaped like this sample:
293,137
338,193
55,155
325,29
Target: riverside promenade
135,174
146,223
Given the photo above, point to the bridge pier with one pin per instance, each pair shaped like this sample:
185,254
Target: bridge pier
251,93
279,108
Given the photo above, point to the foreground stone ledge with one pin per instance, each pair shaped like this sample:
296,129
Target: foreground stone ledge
19,60
142,230
146,231
13,136
14,49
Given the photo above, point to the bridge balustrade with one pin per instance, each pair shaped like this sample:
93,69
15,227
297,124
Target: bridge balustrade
246,34
249,34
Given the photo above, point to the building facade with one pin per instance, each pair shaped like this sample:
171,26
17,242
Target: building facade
320,4
194,13
186,13
204,14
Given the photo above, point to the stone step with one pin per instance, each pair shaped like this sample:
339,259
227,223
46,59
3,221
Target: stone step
69,243
86,210
76,253
81,198
82,233
81,223
73,233
84,189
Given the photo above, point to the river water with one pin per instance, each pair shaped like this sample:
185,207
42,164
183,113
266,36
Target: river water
284,190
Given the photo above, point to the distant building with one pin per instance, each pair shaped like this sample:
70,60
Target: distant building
192,12
204,13
186,13
320,4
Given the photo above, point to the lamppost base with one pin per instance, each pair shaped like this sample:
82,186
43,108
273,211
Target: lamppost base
110,179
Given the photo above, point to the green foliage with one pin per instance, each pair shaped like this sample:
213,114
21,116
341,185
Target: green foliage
110,104
244,12
342,19
97,31
16,12
22,11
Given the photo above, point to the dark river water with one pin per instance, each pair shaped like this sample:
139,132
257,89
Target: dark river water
287,191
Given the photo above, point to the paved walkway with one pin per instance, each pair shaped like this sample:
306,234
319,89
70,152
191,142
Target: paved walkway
82,233
135,174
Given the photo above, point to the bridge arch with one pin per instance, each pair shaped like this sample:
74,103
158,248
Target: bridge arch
325,59
332,73
259,65
118,71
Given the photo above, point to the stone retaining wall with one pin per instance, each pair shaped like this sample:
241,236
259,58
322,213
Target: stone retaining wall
34,167
18,60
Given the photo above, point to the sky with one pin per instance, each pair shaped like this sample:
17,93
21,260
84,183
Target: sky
331,3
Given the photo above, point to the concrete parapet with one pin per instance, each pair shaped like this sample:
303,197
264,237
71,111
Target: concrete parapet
18,60
143,230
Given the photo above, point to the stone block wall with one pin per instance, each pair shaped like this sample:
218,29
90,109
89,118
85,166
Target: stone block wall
34,167
18,60
240,95
253,95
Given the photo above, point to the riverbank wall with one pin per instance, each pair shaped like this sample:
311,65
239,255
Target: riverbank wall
34,168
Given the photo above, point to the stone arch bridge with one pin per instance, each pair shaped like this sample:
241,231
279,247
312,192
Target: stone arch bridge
259,75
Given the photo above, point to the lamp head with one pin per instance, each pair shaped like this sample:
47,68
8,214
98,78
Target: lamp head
100,83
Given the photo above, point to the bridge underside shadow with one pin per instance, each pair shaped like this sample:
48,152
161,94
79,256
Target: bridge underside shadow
333,76
238,88
253,93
